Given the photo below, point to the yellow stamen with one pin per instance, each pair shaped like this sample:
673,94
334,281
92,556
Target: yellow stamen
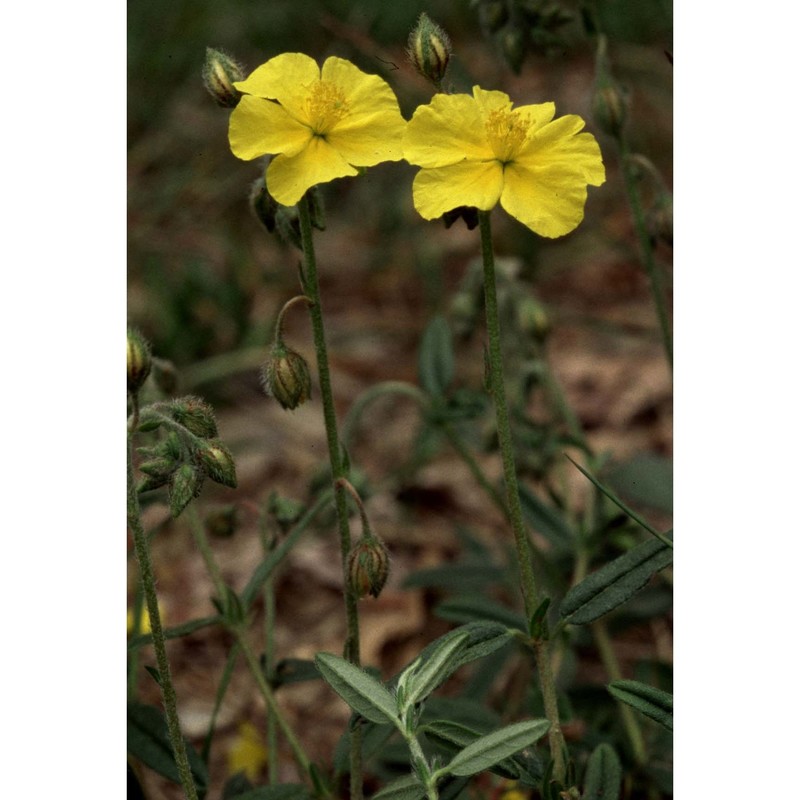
507,132
326,105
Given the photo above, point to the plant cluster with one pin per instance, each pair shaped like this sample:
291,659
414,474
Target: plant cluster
474,150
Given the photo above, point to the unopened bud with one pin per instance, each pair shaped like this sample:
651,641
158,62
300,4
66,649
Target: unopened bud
368,566
532,318
217,462
139,361
429,49
659,220
185,485
220,72
610,108
285,377
263,205
195,415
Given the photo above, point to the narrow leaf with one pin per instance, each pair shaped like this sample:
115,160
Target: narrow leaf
488,750
424,674
616,582
148,740
360,691
652,702
406,788
477,607
603,775
545,519
436,360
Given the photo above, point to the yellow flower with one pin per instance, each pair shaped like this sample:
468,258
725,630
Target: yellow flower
478,150
320,124
247,753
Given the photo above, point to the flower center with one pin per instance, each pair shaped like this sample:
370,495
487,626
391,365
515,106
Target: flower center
326,105
507,132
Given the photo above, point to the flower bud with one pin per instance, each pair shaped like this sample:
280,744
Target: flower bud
368,566
222,522
195,415
285,377
217,462
659,220
220,72
139,361
263,205
185,485
429,49
610,108
532,318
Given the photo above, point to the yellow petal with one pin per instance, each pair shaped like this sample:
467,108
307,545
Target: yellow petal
258,127
538,114
548,200
475,184
373,128
447,130
557,144
285,78
489,100
290,177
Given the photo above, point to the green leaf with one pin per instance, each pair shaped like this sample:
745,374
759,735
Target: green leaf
453,737
646,479
488,750
360,691
603,775
406,788
148,740
436,359
611,585
652,702
544,518
477,607
423,675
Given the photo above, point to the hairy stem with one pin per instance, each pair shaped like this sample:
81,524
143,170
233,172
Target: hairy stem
352,647
528,581
159,643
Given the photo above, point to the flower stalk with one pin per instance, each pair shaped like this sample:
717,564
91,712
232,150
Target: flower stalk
157,632
352,645
528,581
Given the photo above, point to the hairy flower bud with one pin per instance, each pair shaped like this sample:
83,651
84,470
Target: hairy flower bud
263,205
220,72
195,415
285,376
223,522
216,461
185,485
429,49
532,318
139,361
368,566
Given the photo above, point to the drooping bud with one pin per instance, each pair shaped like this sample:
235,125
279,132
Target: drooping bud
220,72
285,376
195,415
429,49
368,566
610,108
285,510
217,462
659,220
263,205
139,361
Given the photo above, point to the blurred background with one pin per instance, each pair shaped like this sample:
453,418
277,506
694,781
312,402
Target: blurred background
205,283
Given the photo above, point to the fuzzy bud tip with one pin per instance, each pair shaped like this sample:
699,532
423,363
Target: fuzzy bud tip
140,361
220,72
368,567
429,49
286,377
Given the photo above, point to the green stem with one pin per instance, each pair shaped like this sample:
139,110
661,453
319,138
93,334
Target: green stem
629,721
529,592
648,259
159,643
199,534
352,646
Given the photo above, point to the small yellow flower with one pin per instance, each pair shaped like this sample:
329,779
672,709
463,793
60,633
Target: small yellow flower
320,124
478,150
247,753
